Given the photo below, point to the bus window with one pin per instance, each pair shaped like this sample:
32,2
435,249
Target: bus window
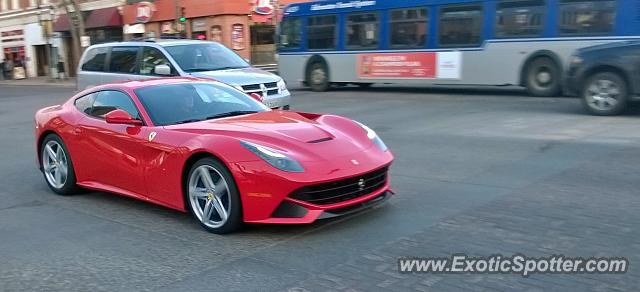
290,33
408,28
522,18
321,32
460,26
587,17
362,30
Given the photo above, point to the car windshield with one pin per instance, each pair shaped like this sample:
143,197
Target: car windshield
180,103
205,57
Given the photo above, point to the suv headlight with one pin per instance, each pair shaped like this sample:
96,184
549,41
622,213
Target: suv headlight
282,86
274,157
371,134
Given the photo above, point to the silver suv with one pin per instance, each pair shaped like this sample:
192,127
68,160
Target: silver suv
112,62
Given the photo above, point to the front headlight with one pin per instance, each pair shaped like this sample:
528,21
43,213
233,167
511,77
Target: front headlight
282,86
274,157
371,134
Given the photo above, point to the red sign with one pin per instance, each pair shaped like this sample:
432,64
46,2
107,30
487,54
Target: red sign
144,11
397,65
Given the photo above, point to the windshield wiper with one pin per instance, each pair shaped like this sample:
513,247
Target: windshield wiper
188,121
230,114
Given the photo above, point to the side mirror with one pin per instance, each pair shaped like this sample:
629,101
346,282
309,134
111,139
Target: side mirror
121,117
162,70
257,97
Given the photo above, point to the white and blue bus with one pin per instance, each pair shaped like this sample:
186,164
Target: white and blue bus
453,42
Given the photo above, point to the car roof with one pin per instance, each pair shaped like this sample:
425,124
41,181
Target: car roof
155,43
136,84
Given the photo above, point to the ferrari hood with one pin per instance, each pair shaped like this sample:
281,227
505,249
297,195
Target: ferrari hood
304,138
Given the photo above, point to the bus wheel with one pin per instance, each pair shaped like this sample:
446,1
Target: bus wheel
543,77
318,78
604,94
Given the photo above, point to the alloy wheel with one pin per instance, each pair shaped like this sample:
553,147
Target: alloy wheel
55,164
209,196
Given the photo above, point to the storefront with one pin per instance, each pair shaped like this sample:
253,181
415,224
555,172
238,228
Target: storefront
14,52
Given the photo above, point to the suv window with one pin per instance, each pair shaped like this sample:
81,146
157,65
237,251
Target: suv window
84,103
110,100
151,57
94,60
123,60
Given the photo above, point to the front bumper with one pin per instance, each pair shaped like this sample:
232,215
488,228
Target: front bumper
278,101
267,193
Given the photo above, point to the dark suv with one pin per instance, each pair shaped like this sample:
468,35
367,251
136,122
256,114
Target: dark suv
606,76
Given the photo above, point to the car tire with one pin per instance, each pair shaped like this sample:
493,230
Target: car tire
57,166
214,201
318,77
543,77
605,94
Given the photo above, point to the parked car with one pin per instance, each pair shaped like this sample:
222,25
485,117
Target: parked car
606,77
120,61
203,147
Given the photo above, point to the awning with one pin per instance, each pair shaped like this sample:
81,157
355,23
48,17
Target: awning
106,17
62,24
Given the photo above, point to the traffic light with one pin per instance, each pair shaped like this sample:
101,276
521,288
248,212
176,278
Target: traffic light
182,18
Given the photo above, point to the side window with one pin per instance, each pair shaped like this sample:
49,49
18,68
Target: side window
123,60
460,25
409,28
587,17
362,30
94,60
321,32
84,103
521,18
110,100
290,33
151,57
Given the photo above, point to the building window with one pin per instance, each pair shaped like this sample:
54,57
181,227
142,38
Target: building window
290,33
216,33
123,60
94,60
460,25
362,30
587,17
321,32
409,28
522,18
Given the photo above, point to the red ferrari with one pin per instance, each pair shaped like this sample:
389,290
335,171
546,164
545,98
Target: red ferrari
207,148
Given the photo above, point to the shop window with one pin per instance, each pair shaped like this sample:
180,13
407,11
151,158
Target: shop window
216,33
362,30
321,32
290,33
123,60
460,25
95,59
587,17
262,34
409,28
523,18
151,58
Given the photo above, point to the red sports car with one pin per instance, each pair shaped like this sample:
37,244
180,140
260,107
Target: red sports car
205,147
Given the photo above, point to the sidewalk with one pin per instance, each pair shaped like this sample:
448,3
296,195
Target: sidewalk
40,81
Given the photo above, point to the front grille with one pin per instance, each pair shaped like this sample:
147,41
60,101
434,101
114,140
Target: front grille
342,190
271,88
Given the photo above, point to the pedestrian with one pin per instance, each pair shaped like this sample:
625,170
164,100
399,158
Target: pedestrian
2,68
61,74
8,68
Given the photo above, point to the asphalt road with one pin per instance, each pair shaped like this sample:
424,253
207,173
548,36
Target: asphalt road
480,172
